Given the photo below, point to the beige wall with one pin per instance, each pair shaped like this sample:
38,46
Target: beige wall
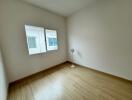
3,80
102,37
14,16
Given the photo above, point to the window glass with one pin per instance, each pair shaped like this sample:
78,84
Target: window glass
32,42
51,39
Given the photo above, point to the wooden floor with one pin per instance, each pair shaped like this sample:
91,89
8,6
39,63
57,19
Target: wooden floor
65,83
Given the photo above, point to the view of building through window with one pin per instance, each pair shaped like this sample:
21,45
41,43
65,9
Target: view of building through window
51,39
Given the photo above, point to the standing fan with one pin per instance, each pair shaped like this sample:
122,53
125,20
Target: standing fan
72,52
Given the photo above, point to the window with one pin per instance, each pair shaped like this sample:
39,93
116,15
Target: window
40,40
51,40
35,39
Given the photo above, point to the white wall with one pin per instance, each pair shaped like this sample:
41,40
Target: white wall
15,15
102,37
3,80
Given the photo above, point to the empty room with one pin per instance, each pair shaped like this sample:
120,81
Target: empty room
65,49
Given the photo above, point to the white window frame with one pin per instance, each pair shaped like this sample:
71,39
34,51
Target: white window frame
41,39
38,33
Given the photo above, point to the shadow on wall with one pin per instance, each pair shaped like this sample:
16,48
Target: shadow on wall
3,80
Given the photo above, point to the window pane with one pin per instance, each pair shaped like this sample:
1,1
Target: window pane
32,42
51,39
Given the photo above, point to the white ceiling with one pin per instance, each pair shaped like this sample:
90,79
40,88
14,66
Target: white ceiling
62,7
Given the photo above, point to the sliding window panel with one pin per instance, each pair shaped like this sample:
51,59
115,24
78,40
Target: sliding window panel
35,39
51,39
